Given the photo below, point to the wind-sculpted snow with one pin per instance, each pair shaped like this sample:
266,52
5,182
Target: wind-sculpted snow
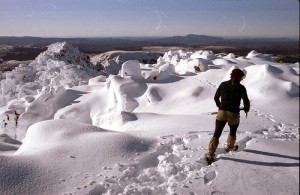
112,61
145,128
254,54
126,92
40,138
63,52
66,142
62,64
282,79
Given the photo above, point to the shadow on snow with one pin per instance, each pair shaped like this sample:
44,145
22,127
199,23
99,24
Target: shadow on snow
277,164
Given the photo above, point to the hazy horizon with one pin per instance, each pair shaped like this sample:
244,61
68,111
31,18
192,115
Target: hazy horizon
149,18
141,37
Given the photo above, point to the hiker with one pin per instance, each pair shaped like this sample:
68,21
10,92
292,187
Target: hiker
231,92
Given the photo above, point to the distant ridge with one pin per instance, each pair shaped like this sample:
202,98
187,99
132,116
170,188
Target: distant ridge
27,48
192,39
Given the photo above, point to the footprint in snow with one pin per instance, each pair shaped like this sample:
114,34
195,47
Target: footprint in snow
193,132
166,136
209,177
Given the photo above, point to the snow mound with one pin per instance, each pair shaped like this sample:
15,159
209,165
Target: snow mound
114,119
125,91
185,62
223,62
292,89
153,94
271,82
72,136
230,56
255,54
132,69
97,79
170,68
201,63
42,108
208,55
74,146
66,57
61,64
63,52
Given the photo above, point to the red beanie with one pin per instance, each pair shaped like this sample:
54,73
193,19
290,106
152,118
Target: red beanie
237,73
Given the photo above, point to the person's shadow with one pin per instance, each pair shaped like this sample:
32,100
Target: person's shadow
276,164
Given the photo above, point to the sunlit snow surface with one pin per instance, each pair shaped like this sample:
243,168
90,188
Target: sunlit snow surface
68,128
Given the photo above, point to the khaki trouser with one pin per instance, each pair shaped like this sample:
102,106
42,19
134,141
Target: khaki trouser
223,117
230,117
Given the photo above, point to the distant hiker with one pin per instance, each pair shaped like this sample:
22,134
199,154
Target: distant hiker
231,92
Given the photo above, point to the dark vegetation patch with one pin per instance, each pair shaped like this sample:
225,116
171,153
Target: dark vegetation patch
28,48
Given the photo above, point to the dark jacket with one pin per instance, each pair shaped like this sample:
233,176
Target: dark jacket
231,96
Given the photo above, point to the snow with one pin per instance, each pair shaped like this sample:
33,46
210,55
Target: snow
131,69
112,61
68,128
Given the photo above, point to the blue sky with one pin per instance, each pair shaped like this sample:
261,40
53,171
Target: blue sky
110,18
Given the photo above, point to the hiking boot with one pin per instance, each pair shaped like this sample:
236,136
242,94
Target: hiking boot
212,146
210,160
230,143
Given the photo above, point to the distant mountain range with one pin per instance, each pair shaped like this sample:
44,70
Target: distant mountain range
188,40
192,39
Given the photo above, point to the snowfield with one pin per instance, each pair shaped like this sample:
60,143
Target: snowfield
72,127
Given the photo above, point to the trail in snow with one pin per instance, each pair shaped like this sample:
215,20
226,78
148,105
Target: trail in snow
173,162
